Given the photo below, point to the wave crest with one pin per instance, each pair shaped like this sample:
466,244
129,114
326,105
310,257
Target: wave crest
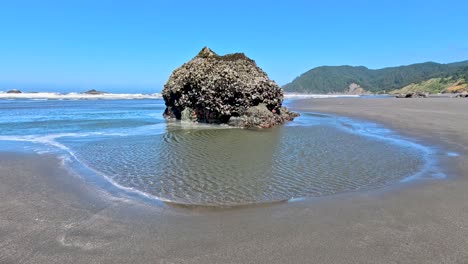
77,96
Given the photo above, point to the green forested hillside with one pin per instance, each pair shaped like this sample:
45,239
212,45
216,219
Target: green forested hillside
336,79
435,85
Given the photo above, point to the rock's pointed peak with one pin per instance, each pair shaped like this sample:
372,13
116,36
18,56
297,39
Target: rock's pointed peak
206,53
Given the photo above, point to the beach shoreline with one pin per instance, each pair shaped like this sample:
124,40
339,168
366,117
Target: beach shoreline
426,112
49,215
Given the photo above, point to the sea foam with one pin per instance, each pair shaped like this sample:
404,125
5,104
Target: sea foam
77,96
114,96
318,96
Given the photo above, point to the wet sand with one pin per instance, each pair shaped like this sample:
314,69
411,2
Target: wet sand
48,215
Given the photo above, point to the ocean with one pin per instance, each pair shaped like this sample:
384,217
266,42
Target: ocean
127,144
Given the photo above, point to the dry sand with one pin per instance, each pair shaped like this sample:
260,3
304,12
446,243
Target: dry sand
48,215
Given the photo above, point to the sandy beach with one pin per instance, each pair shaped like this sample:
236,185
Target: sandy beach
50,215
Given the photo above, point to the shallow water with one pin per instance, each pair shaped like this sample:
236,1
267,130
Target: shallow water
130,144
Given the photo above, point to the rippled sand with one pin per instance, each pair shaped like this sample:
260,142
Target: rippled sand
208,165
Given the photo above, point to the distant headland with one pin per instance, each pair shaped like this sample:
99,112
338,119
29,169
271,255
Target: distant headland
428,77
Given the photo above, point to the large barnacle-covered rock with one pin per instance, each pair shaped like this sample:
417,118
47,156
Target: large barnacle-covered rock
229,89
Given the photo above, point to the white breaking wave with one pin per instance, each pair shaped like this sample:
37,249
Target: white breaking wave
51,139
301,96
113,96
77,96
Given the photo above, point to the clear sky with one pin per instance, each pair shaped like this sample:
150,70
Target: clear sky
134,45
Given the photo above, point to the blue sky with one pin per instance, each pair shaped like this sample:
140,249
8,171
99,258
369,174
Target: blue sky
134,45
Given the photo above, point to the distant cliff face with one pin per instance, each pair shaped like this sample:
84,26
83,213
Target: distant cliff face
220,89
337,79
356,89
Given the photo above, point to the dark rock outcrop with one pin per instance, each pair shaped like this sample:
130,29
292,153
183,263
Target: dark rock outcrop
229,89
462,95
14,91
94,92
413,95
